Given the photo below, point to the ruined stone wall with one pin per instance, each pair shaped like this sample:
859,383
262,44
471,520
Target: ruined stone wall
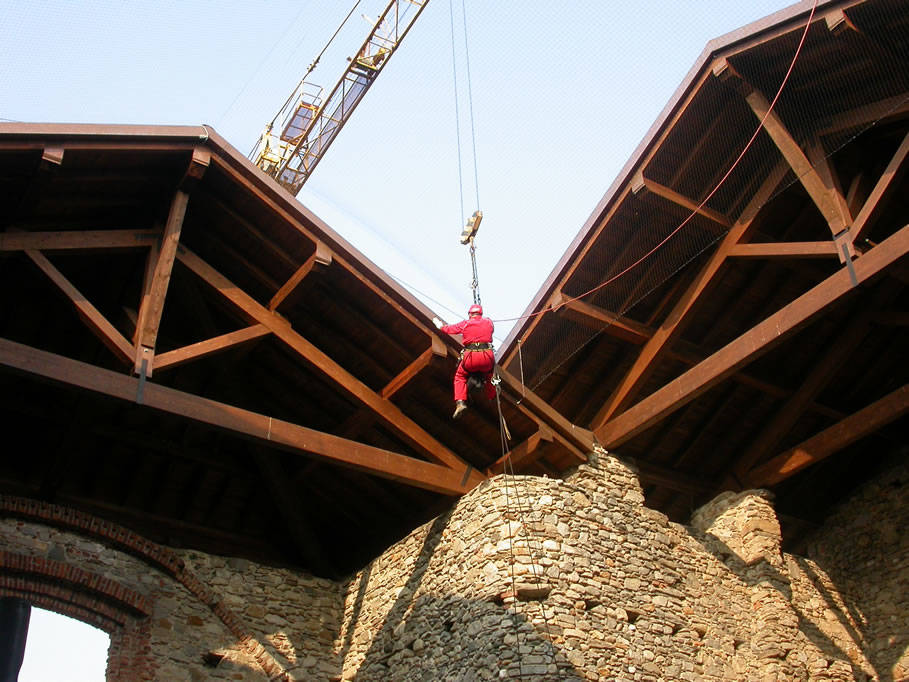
575,579
171,614
853,587
526,577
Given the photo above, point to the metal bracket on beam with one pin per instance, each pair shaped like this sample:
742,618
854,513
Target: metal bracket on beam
142,375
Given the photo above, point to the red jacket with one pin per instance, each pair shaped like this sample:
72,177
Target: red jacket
473,330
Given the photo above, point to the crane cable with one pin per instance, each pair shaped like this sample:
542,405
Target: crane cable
474,284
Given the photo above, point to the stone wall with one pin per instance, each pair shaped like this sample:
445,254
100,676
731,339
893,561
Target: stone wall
853,587
577,580
525,577
171,614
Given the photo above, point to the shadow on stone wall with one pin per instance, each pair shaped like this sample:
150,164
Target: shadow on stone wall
763,574
476,639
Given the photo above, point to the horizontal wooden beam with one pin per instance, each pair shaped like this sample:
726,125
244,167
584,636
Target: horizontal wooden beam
831,440
240,422
203,349
785,250
78,239
752,344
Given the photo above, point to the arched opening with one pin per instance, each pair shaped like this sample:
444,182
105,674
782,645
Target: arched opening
63,648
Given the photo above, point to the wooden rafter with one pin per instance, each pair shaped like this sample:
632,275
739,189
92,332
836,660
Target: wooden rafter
882,191
678,318
203,349
827,200
152,306
785,250
833,439
882,110
322,256
262,428
317,359
815,381
77,240
752,344
825,197
90,315
437,350
641,184
682,351
578,441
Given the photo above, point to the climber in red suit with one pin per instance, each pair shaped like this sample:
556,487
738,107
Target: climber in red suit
477,359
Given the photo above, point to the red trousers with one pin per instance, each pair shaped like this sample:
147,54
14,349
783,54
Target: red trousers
479,362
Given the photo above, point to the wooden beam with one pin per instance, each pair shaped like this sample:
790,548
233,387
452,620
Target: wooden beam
321,256
875,112
752,344
240,422
321,362
675,322
437,349
883,191
91,316
613,324
152,306
77,239
640,184
785,250
519,457
824,197
817,378
203,349
683,351
833,439
579,440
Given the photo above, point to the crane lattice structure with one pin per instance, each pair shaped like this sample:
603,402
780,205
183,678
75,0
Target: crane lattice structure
311,123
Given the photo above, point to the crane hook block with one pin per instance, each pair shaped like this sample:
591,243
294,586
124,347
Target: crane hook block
470,229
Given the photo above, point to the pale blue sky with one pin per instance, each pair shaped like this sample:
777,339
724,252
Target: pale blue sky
562,93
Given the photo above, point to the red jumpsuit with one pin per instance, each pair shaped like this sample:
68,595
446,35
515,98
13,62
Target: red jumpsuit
474,330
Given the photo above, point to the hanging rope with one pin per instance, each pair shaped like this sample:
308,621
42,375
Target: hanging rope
521,519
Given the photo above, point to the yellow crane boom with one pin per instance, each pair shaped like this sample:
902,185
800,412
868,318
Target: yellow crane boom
310,124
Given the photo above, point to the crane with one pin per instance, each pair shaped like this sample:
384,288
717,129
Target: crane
311,122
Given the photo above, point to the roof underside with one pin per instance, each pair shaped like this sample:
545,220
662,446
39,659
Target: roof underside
294,405
187,351
704,320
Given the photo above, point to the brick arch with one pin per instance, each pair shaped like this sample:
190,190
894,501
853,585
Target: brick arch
123,615
71,591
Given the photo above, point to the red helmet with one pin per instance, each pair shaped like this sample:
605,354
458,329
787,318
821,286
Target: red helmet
475,310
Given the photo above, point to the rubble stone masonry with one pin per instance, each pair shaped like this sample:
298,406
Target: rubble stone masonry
524,578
